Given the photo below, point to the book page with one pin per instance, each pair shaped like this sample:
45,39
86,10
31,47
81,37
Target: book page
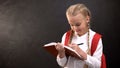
73,52
50,44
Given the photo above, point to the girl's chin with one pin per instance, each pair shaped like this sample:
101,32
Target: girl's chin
78,33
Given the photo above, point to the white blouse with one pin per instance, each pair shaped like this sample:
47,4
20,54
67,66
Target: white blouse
92,61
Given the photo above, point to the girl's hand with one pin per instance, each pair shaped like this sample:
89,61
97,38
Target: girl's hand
60,49
79,50
74,46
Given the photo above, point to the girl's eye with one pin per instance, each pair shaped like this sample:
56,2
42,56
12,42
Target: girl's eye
77,24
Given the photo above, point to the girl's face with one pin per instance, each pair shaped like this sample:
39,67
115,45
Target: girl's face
79,23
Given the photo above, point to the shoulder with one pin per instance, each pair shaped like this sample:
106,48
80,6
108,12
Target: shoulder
67,33
92,33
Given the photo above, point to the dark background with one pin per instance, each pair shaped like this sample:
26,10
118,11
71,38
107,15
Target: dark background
26,25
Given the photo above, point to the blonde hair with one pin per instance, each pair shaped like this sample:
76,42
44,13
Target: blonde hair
78,8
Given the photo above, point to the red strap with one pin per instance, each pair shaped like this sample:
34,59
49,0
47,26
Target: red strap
95,41
67,38
103,62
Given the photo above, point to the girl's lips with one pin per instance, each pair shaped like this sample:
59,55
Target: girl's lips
78,31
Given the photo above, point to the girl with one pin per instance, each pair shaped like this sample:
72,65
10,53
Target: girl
78,16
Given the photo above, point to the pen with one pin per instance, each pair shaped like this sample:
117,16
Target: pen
80,44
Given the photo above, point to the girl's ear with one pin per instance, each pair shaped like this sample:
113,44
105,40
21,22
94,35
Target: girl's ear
87,19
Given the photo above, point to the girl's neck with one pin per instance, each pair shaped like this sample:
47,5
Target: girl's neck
83,32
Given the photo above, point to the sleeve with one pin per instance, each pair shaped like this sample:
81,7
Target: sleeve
95,60
62,61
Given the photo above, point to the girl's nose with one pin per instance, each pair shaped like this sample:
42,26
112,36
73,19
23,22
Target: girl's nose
75,27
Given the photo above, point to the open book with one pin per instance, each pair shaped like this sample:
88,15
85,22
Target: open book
50,47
